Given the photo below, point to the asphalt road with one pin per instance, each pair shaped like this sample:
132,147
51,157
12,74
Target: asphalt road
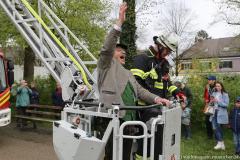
28,144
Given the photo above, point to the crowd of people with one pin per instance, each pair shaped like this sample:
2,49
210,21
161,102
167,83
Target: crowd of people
26,95
151,84
216,99
148,82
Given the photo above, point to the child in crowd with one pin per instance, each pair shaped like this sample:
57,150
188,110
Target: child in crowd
186,116
34,97
235,125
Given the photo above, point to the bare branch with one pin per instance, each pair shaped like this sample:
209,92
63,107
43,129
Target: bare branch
234,1
233,23
229,11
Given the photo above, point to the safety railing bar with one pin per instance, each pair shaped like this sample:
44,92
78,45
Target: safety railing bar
132,137
129,123
85,112
139,107
153,126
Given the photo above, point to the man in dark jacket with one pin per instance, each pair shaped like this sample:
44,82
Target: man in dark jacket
34,97
152,73
57,96
234,119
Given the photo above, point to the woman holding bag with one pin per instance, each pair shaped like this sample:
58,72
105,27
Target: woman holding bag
220,116
209,89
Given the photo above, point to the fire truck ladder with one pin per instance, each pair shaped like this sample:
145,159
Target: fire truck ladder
55,45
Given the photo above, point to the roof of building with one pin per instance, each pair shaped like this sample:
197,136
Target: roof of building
214,48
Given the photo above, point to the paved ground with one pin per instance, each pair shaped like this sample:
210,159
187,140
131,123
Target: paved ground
26,144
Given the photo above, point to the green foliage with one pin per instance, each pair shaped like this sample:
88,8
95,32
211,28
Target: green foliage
86,19
45,87
197,80
197,83
8,31
128,36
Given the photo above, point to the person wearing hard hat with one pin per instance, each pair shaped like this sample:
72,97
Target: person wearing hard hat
151,70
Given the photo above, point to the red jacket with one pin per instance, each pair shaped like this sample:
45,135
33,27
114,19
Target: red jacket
206,94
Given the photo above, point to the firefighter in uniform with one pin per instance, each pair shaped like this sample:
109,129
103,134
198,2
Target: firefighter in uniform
152,72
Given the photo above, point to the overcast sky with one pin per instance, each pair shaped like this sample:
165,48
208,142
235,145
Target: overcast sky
204,11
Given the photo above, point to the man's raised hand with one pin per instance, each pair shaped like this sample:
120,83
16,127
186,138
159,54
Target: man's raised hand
122,12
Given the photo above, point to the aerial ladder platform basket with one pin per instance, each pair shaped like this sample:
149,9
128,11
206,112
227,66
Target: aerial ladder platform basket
74,137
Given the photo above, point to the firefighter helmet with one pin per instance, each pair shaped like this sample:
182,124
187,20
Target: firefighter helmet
170,41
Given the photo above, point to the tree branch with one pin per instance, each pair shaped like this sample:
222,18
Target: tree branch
234,23
234,1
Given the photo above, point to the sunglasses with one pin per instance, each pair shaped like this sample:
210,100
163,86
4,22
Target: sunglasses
237,101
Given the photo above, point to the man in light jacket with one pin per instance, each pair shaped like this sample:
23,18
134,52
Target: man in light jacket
113,78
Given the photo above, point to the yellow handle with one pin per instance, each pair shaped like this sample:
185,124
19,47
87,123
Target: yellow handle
25,2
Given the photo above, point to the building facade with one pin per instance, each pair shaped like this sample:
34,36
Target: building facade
212,55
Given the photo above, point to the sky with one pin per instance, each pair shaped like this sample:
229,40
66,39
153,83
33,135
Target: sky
204,12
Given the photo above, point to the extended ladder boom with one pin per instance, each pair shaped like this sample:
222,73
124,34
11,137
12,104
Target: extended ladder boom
59,52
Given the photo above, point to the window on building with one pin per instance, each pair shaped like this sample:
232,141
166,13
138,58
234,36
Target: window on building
226,49
186,66
206,50
225,64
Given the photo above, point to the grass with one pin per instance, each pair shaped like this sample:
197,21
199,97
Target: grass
199,147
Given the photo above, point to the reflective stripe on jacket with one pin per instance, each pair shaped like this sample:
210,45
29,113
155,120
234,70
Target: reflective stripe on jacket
150,76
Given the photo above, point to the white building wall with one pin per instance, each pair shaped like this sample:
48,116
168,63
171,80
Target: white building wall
38,71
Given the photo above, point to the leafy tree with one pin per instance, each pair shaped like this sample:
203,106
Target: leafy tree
8,31
138,14
87,19
201,35
10,37
128,36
